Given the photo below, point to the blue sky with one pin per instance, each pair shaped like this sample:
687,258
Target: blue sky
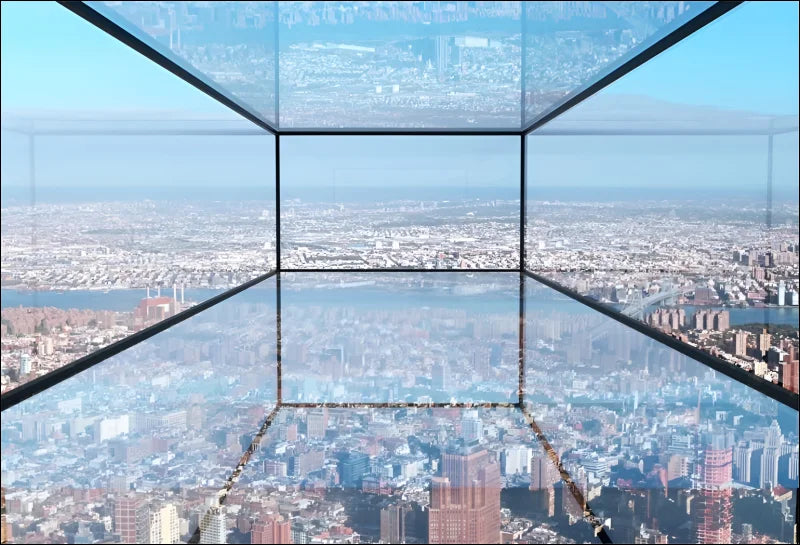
53,60
746,60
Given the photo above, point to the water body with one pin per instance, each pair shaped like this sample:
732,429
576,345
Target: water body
117,300
501,297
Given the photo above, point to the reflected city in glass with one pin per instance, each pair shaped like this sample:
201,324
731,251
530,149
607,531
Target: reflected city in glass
661,446
400,337
411,475
139,445
400,64
680,207
336,272
116,213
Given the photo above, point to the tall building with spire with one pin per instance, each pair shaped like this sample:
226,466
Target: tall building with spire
769,459
713,510
465,498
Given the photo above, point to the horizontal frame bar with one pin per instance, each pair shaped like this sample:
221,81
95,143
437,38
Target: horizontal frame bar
691,26
401,405
544,131
137,132
541,132
779,394
40,384
396,270
108,26
399,132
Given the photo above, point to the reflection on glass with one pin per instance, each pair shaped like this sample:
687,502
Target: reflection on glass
138,447
432,202
662,447
402,476
676,202
400,337
229,44
118,209
570,44
400,64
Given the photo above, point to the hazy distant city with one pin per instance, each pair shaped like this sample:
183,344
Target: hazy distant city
400,64
396,407
114,255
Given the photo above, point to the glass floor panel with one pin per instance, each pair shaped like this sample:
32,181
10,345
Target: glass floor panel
213,431
400,337
403,475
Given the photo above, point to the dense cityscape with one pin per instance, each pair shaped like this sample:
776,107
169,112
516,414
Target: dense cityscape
400,64
723,282
732,292
101,458
453,399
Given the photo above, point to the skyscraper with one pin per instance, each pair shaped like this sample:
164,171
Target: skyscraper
471,426
516,459
271,529
131,519
352,467
764,342
465,498
439,375
769,459
24,364
317,424
741,343
741,462
442,56
393,523
212,527
164,525
713,511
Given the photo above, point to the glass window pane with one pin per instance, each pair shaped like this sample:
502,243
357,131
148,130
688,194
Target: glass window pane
125,198
230,45
570,44
661,445
139,446
432,202
392,476
672,194
400,64
400,337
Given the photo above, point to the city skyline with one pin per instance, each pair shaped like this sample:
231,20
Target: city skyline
215,330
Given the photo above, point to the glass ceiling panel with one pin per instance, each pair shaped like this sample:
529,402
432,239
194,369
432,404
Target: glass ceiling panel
230,45
568,45
415,65
400,64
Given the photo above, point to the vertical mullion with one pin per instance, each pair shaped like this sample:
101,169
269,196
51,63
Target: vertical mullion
279,377
522,71
277,46
522,193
